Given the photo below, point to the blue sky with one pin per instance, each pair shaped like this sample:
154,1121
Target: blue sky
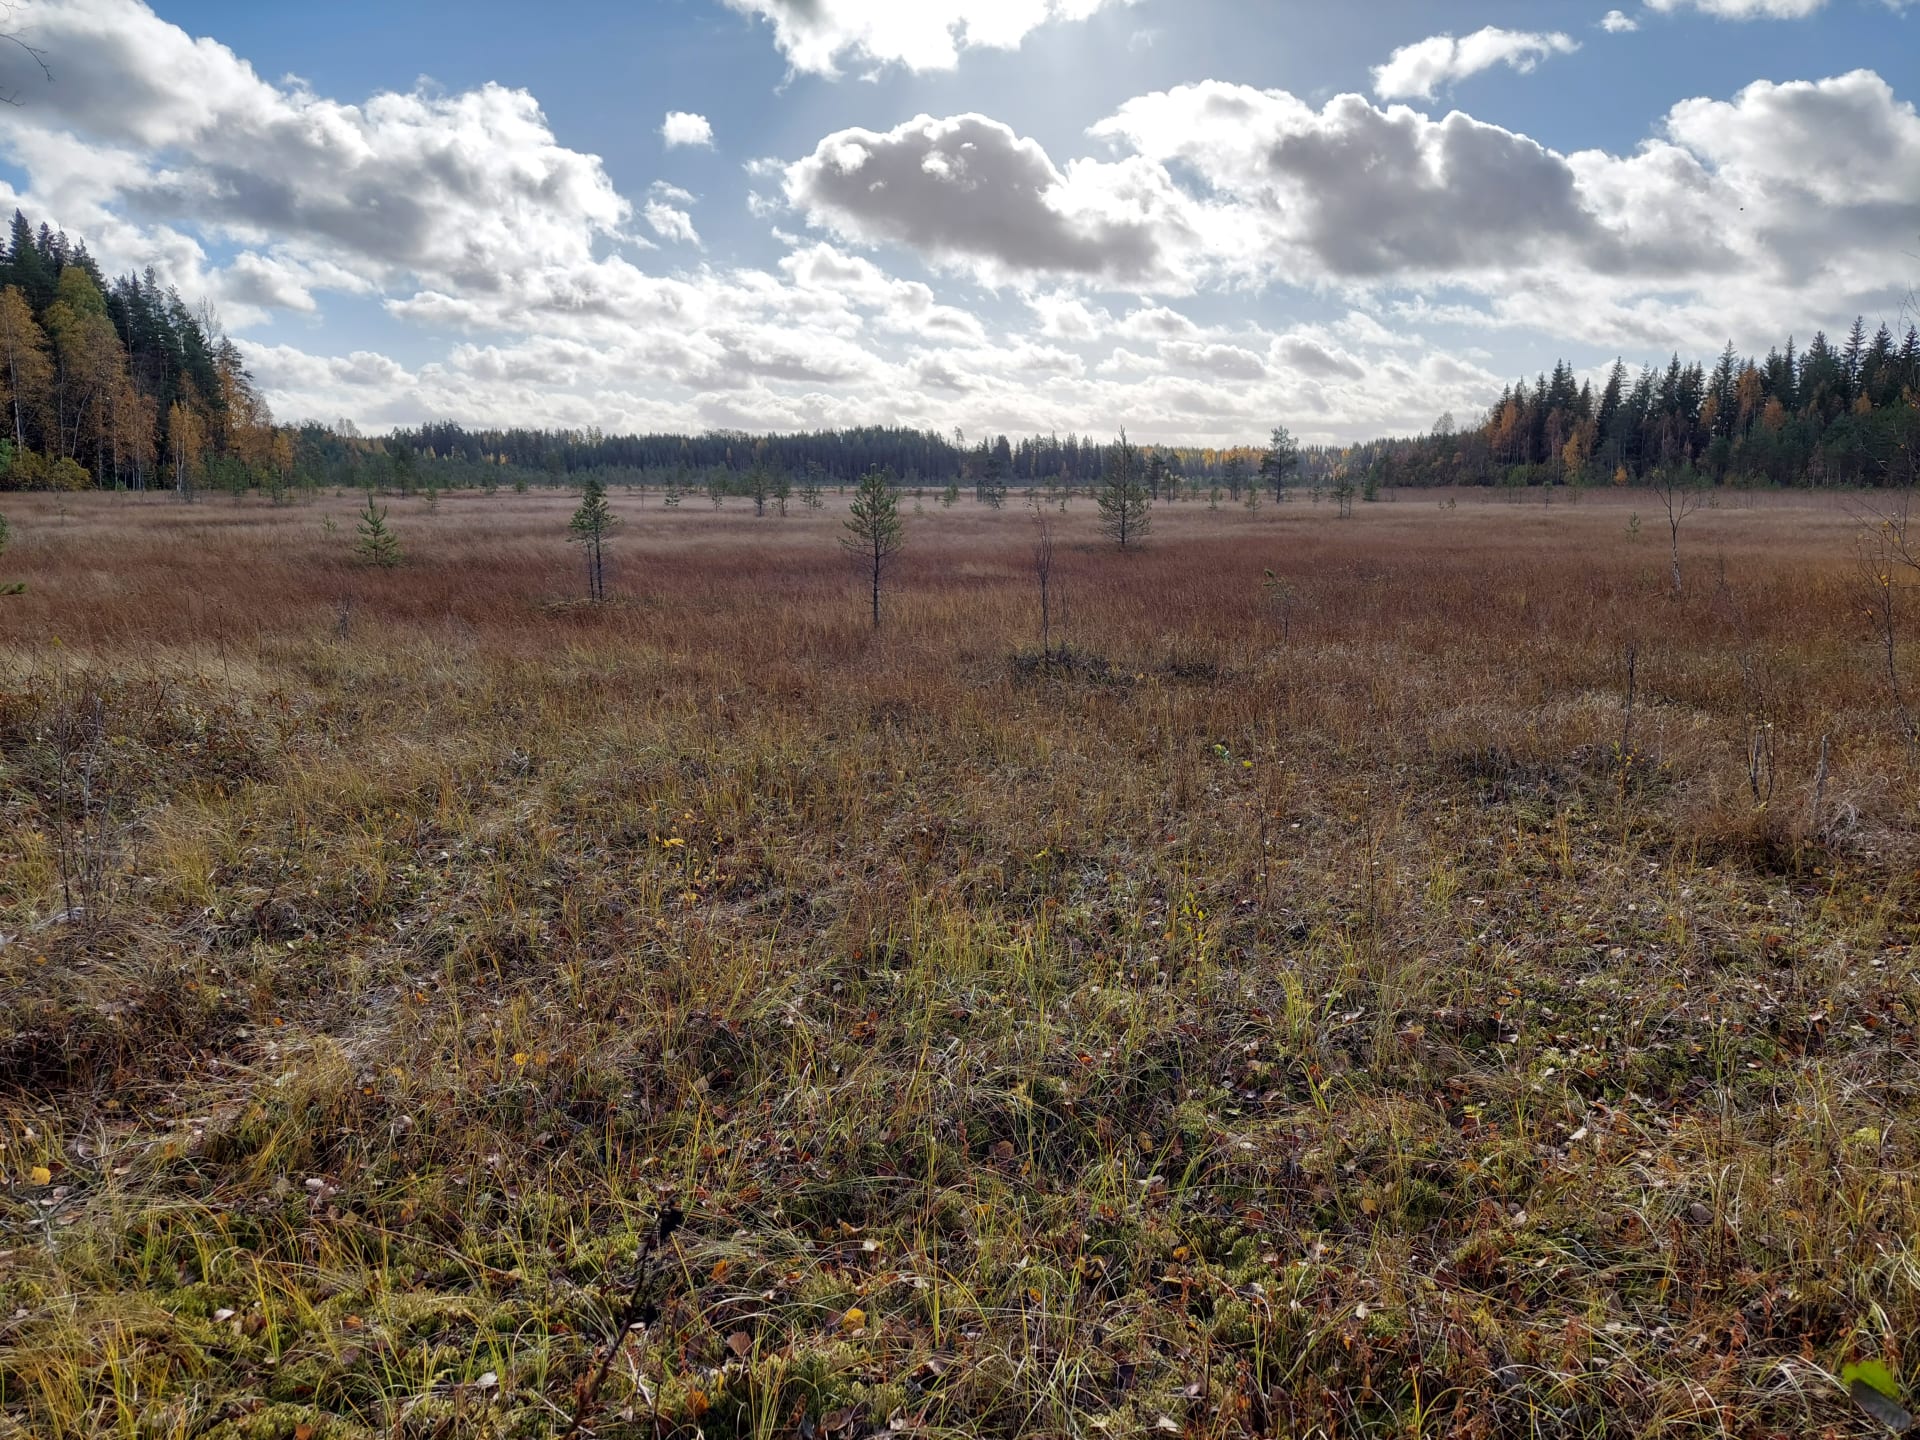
1193,217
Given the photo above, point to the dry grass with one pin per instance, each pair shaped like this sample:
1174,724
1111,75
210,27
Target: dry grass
1337,1034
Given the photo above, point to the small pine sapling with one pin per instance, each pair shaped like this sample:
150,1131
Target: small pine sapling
1124,512
874,532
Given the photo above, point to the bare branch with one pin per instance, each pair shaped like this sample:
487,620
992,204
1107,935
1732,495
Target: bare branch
10,36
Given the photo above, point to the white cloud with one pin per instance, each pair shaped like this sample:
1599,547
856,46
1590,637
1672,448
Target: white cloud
147,128
1743,9
1067,317
816,36
1756,214
1418,71
1228,362
682,127
668,219
968,191
1716,226
1618,22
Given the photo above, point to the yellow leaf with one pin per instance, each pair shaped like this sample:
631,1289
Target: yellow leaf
40,1175
853,1319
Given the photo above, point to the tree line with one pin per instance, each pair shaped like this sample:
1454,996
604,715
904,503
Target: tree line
837,456
1846,414
118,383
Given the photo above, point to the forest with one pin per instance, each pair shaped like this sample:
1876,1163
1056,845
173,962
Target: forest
120,384
1822,416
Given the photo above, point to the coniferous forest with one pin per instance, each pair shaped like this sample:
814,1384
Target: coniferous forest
119,383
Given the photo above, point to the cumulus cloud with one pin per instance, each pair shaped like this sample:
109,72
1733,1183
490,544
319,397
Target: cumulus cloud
967,190
1314,356
1229,362
533,299
1067,317
816,36
1353,191
1618,22
1743,9
148,128
682,127
666,211
1418,71
1723,213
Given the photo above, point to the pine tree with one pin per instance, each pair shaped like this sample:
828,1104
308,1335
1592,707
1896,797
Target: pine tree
874,532
1280,461
377,545
1236,474
1124,512
592,526
1156,475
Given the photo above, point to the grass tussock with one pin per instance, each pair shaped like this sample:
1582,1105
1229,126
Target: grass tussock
1351,1021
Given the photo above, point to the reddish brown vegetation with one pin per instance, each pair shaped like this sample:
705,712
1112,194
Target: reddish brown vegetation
1341,1033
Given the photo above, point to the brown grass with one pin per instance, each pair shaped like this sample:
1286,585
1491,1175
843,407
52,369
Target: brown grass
1227,1034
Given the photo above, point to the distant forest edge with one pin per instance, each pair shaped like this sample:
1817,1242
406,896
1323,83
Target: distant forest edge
119,384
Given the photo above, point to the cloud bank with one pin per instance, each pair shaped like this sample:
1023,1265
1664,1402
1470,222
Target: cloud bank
950,270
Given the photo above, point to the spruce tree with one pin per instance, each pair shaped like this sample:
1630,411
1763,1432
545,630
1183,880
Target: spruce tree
377,545
592,526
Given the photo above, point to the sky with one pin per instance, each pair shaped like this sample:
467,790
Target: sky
1192,218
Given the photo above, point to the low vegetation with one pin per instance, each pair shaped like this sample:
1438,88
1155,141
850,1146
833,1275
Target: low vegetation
1407,974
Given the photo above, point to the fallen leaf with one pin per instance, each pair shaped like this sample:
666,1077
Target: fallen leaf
1876,1390
740,1343
40,1175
